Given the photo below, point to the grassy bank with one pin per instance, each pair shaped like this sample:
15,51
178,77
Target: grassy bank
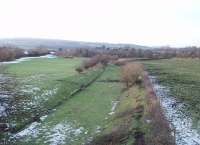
81,117
99,111
40,86
103,113
138,119
182,76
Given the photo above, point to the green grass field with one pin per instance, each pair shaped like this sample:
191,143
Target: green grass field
182,76
85,114
41,85
97,111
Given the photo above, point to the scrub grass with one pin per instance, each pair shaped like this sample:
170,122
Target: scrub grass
127,124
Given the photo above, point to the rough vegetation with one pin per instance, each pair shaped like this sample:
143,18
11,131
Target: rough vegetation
132,73
139,119
57,105
37,51
150,53
102,60
7,54
160,131
11,53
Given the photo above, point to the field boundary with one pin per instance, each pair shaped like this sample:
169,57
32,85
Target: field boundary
75,92
161,128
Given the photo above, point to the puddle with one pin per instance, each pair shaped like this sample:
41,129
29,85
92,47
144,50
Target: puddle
185,134
27,58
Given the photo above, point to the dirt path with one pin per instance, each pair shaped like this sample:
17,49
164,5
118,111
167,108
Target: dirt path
185,134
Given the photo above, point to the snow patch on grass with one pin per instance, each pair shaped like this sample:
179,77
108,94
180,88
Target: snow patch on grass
38,96
98,129
62,133
114,105
2,111
30,89
43,117
29,131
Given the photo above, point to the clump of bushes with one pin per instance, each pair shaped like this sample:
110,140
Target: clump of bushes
38,52
102,59
91,62
11,53
66,53
119,62
131,73
18,53
79,69
88,64
8,54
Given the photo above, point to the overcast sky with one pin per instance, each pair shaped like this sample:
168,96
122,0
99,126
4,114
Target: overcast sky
144,22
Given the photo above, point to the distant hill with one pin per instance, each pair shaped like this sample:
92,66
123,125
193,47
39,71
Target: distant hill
27,43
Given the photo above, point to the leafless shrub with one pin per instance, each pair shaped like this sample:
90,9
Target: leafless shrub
79,69
10,53
18,53
93,61
131,73
38,51
6,54
119,63
66,53
104,59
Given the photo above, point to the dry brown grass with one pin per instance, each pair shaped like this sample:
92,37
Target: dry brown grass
160,130
124,131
